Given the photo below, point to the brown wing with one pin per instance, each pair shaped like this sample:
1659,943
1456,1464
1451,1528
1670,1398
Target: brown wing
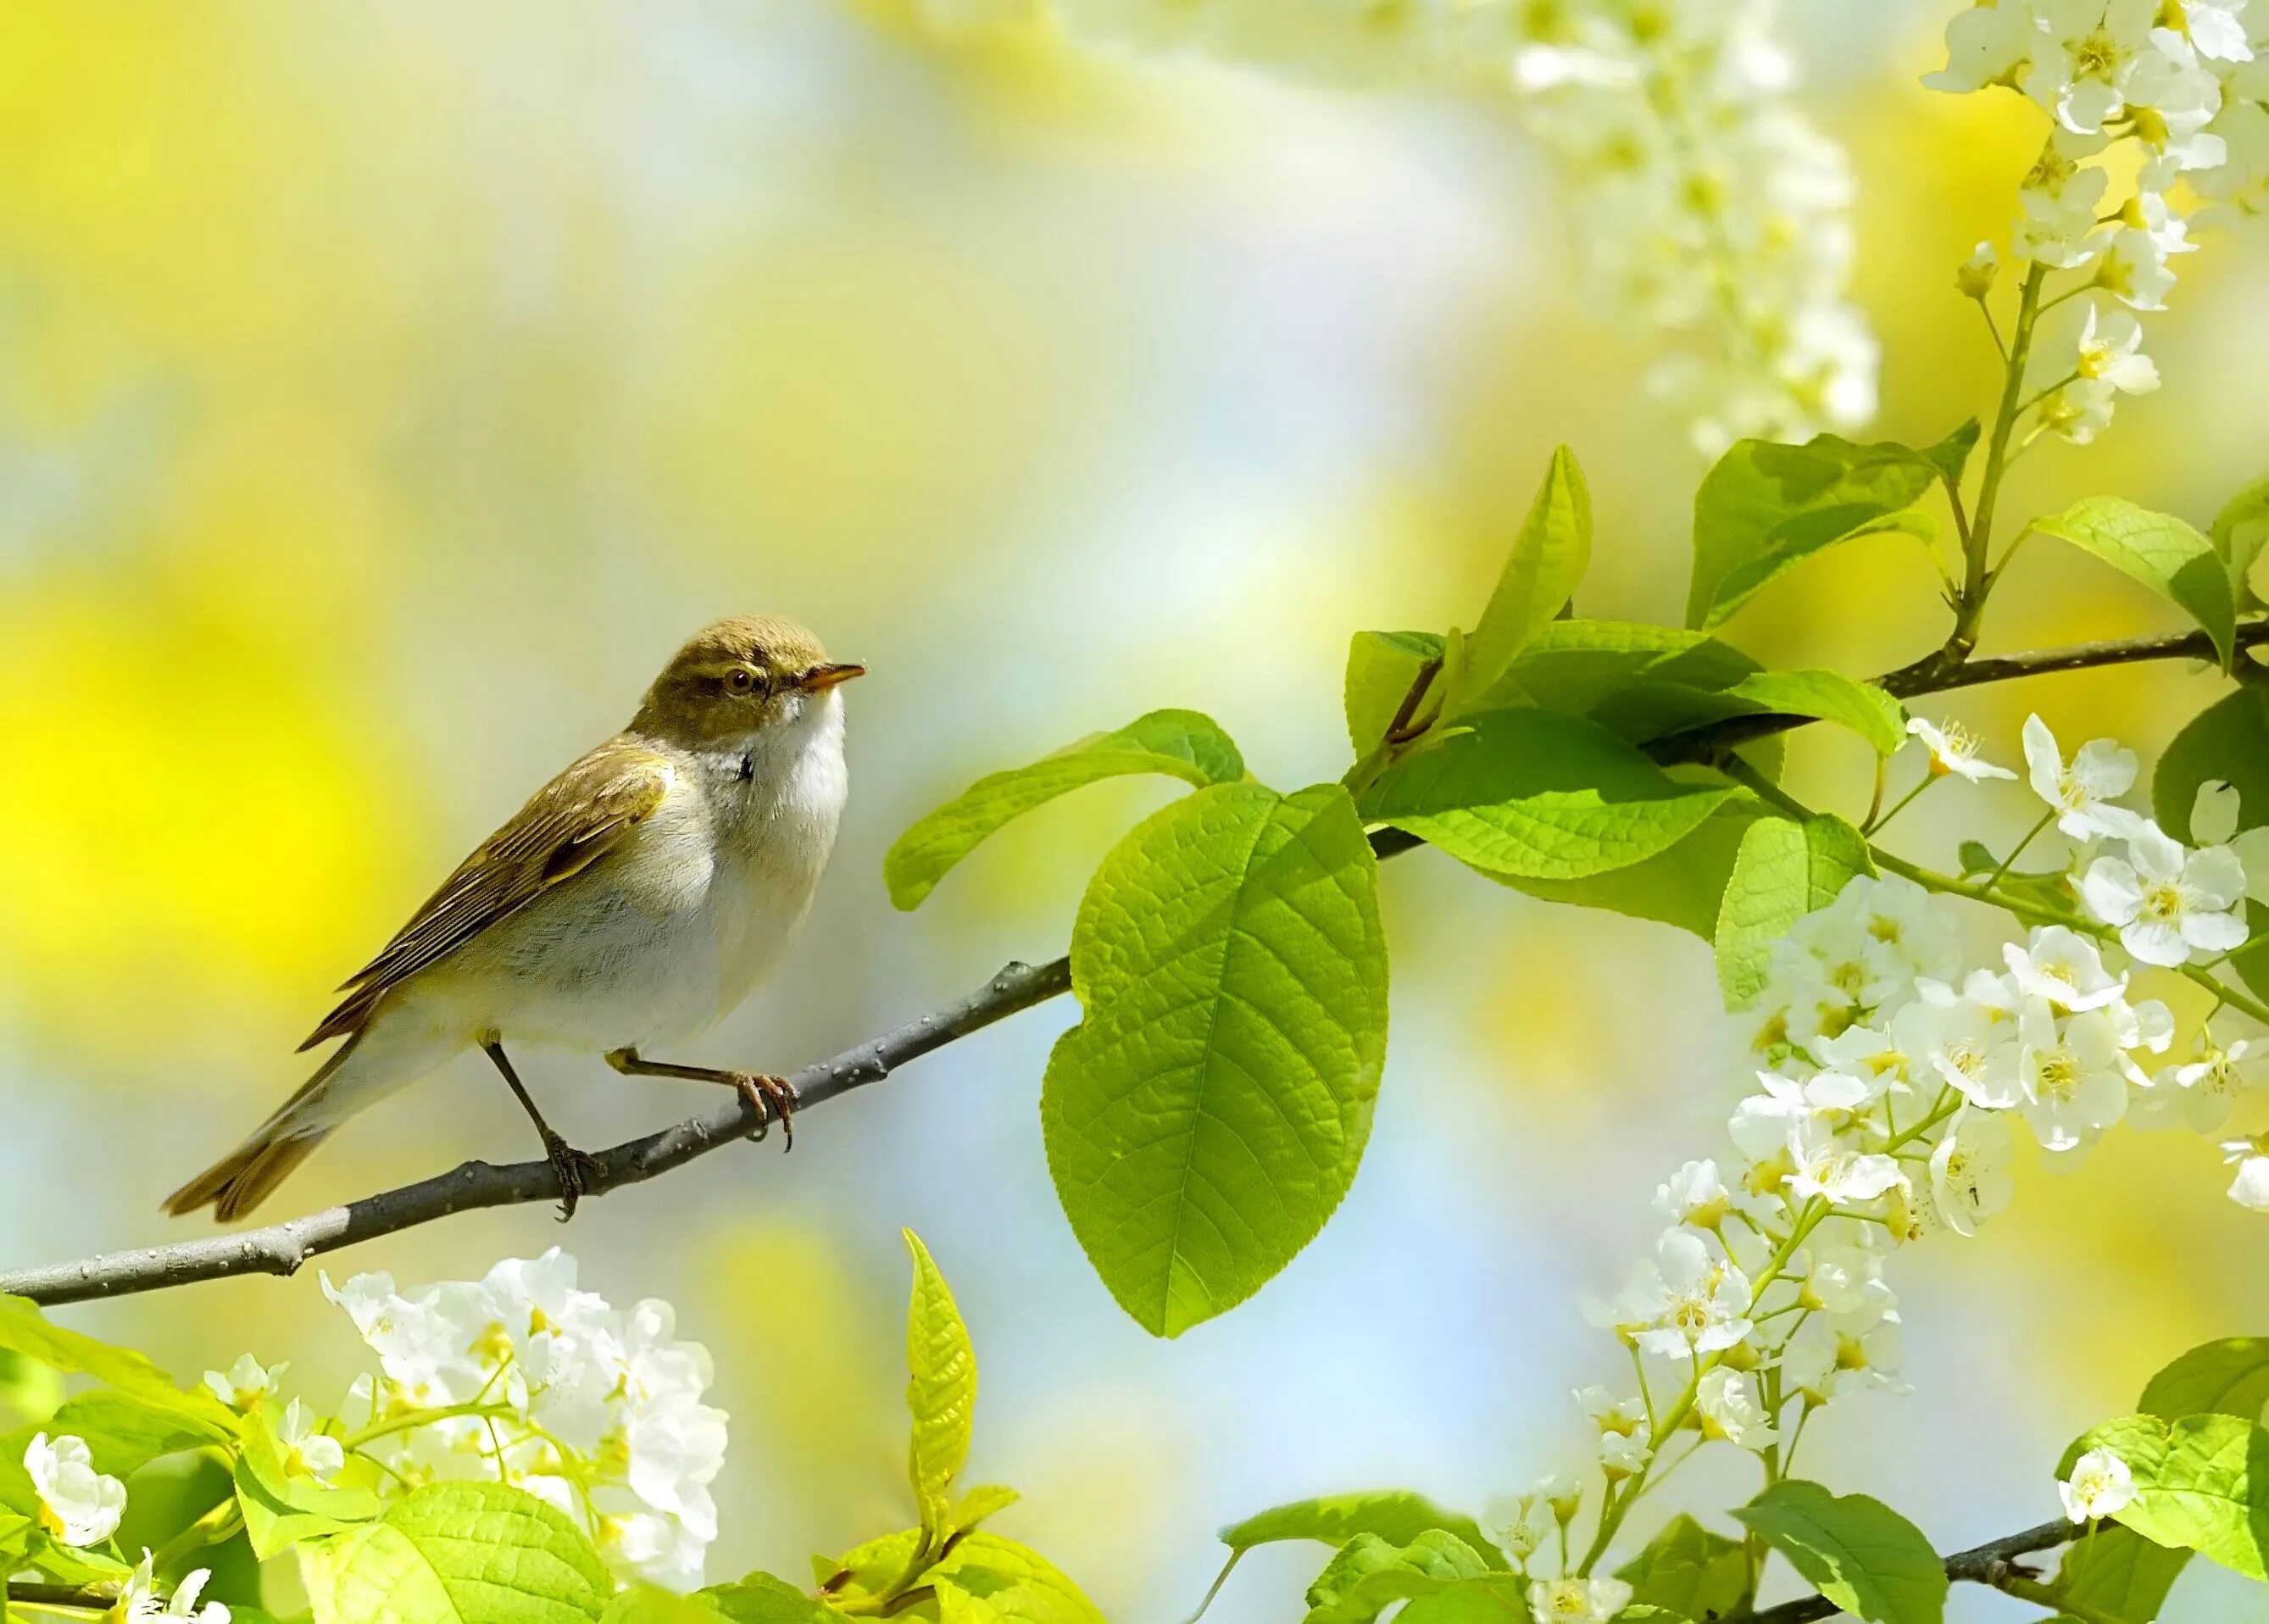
566,826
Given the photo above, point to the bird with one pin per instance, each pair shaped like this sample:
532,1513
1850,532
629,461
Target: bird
633,902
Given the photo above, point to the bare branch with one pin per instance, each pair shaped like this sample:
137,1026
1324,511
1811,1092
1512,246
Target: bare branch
281,1248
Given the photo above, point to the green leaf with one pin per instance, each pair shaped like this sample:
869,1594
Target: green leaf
1688,1570
976,1504
1368,1575
1682,886
2160,551
760,1598
1396,1516
2239,531
2118,1573
986,1577
1766,507
2228,741
1829,696
1381,667
125,1433
1951,454
1181,744
458,1554
1209,1112
1582,666
282,1508
1539,795
650,1604
24,1330
1856,1550
1549,558
865,1571
1492,1598
1785,870
2201,1483
941,1387
2228,1377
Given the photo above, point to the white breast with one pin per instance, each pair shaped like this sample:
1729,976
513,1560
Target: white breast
653,945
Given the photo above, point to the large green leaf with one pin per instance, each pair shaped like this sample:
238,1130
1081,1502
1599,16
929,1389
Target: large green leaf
280,1507
1208,1113
1540,795
1181,744
2158,549
24,1330
2239,531
2230,1378
2201,1483
1397,1515
1368,1574
1492,1598
1766,507
941,1388
1581,666
2227,740
1688,1570
1785,870
1829,696
1856,1550
986,1577
458,1554
1682,886
123,1433
761,1598
1381,667
1549,558
2117,1574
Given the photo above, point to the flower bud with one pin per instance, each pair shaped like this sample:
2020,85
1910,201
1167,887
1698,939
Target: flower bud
1976,274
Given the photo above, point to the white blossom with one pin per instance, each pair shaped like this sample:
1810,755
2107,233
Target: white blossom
1577,1601
140,1604
2080,791
2250,1189
1727,1400
2170,907
77,1504
2195,1094
2071,1075
2109,350
1954,748
2100,1485
2063,967
1684,1301
307,1452
245,1383
1968,1169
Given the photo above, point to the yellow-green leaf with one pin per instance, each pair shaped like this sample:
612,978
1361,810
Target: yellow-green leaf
941,1387
2159,550
1549,558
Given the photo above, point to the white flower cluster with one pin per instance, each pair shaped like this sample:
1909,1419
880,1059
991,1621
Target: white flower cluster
1708,204
1891,1080
2185,86
596,1411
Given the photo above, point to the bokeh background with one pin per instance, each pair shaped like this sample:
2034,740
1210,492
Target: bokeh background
385,390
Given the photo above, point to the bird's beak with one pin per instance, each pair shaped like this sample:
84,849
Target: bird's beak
819,679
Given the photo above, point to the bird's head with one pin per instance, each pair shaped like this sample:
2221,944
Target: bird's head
738,677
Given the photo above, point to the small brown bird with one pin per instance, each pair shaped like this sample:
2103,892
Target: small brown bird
635,900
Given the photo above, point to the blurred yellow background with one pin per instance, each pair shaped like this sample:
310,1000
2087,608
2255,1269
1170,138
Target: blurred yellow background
385,390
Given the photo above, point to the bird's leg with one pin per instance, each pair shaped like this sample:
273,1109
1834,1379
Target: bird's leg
574,1169
769,1098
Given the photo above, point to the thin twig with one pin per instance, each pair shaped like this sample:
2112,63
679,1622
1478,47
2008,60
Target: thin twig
1981,1564
281,1248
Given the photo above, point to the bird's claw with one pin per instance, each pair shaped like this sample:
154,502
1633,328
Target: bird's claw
770,1099
578,1171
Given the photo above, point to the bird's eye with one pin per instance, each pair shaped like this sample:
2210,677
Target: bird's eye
739,679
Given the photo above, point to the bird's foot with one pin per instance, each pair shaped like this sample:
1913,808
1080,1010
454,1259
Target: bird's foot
772,1099
578,1171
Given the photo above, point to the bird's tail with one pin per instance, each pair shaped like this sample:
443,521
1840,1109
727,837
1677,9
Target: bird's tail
370,1065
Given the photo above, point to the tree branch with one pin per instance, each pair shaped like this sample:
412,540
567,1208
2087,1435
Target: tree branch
1982,1564
281,1248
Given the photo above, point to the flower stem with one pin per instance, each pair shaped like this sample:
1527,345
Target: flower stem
1976,579
2018,850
